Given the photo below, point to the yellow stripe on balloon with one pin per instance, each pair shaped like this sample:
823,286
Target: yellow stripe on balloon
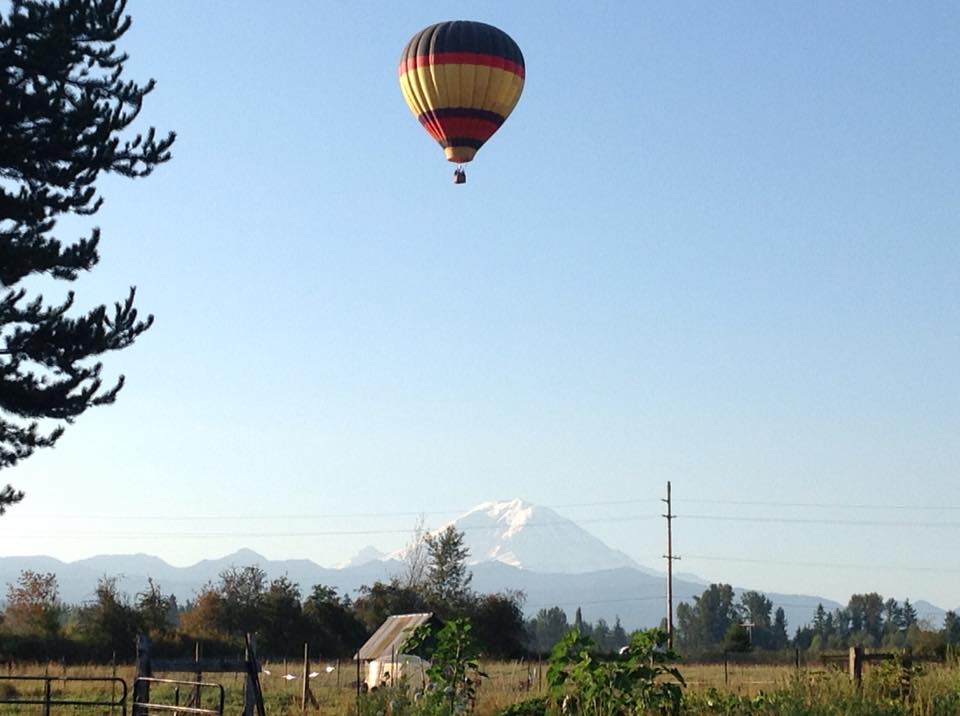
439,86
411,93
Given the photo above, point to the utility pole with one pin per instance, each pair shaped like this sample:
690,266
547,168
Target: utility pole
669,557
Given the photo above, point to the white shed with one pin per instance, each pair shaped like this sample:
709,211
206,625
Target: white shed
383,652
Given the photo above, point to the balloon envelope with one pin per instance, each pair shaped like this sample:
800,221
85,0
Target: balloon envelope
461,79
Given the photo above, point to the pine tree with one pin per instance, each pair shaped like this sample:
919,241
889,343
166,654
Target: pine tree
779,629
820,621
909,614
951,628
448,579
63,107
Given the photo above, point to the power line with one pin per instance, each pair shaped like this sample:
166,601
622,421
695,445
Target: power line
323,515
821,505
823,521
455,512
317,533
681,598
833,565
594,602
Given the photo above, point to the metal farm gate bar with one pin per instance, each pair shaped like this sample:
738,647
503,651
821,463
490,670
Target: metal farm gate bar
49,701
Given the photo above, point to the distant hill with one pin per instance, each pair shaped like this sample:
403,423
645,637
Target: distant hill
635,596
513,545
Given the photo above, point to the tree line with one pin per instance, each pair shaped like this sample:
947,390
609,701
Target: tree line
716,621
34,623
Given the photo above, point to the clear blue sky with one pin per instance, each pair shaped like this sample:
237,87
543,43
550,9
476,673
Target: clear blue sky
716,243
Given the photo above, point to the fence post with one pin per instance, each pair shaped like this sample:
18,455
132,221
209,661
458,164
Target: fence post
358,681
726,675
252,695
197,692
248,683
113,684
306,677
46,696
141,689
856,666
906,673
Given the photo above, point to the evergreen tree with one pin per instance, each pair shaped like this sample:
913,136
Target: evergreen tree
547,628
909,614
780,639
892,616
951,628
806,637
618,635
281,618
757,610
705,625
63,107
866,617
333,628
737,638
820,622
601,636
841,628
448,580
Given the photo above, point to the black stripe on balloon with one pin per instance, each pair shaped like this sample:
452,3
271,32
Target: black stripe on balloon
463,36
462,113
462,142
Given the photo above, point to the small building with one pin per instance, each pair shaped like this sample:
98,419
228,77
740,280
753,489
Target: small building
383,652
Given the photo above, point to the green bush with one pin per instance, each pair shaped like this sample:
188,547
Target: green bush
581,684
530,707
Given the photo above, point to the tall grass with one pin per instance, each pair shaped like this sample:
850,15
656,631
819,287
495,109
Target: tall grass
750,690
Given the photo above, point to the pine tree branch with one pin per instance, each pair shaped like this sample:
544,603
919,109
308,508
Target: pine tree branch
9,496
64,109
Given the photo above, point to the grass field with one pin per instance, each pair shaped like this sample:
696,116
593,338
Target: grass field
742,689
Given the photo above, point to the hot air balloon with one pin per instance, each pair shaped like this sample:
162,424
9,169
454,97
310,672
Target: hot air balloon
461,79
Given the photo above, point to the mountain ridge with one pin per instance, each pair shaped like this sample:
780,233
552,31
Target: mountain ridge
515,546
635,597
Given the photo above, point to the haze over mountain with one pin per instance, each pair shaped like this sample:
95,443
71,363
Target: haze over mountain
513,545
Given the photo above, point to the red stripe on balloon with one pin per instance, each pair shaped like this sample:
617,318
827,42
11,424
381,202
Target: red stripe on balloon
462,58
472,127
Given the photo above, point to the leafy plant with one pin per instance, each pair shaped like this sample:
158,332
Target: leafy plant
454,674
391,700
642,682
530,707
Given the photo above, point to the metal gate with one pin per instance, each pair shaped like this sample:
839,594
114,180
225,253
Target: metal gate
48,700
195,688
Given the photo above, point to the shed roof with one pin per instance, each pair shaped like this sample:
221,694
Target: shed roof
389,638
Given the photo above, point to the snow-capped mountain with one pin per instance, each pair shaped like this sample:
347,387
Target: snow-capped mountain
364,556
534,538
